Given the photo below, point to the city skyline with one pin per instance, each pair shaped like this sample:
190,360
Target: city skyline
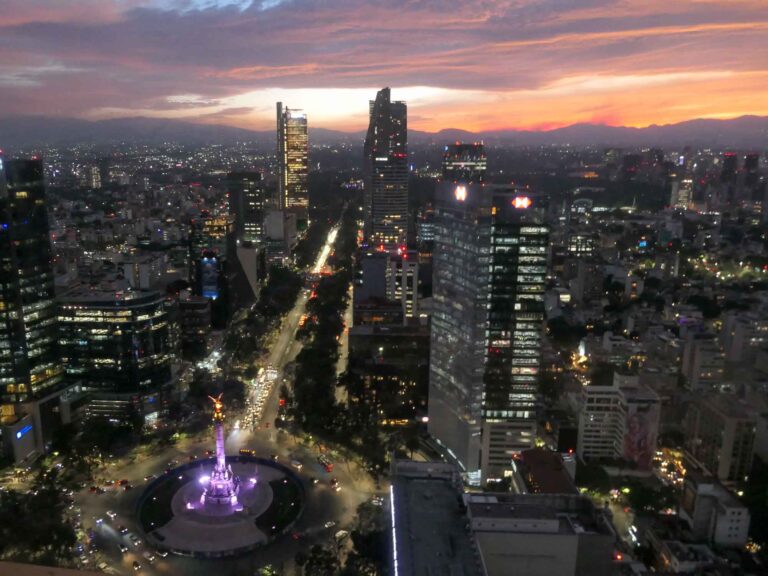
534,65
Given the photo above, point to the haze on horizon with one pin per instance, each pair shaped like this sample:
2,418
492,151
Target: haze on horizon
474,65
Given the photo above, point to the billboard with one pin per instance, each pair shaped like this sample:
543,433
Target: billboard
640,431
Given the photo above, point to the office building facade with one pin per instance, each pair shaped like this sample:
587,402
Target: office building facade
292,160
30,365
31,373
619,420
712,512
720,436
247,202
385,172
490,265
116,345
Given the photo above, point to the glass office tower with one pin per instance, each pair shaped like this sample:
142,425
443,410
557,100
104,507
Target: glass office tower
292,160
30,366
385,172
247,202
490,263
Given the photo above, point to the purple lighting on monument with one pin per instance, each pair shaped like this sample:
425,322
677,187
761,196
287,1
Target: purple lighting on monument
223,486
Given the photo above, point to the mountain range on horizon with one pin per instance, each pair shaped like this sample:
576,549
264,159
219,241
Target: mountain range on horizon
745,132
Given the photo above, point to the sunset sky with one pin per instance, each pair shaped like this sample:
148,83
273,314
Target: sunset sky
477,65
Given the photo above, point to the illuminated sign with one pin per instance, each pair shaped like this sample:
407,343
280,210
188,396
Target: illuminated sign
521,202
23,431
460,192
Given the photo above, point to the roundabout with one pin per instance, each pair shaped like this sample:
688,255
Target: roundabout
222,506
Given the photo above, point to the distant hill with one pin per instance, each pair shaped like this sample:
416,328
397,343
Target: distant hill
744,132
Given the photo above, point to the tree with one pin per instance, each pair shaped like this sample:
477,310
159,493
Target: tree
321,562
33,526
357,565
102,435
593,477
412,441
565,334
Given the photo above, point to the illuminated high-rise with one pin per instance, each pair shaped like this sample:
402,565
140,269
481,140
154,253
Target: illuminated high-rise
385,172
30,366
682,194
292,160
247,201
490,263
31,372
118,346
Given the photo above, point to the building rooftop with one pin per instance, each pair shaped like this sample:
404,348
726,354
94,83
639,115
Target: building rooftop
574,514
710,486
544,472
729,406
431,527
96,296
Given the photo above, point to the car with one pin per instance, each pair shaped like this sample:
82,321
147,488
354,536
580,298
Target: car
111,514
325,463
329,524
162,553
122,529
149,556
274,457
99,520
136,566
127,487
296,464
124,482
149,477
93,489
123,548
334,482
103,566
377,501
314,480
135,540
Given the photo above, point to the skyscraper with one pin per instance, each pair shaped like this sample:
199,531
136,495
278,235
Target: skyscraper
247,201
30,366
490,262
292,159
385,172
464,162
730,167
117,345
